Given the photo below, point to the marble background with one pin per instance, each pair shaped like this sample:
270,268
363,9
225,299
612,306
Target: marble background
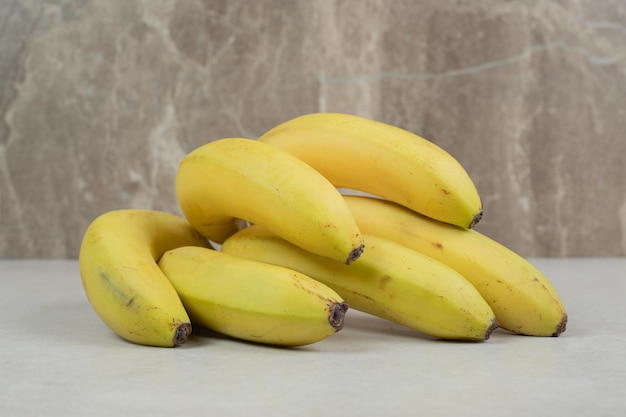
100,100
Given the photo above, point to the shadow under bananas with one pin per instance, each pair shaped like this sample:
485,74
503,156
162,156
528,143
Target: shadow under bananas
201,336
360,329
368,326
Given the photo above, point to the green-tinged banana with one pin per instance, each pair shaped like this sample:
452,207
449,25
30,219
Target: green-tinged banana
251,300
232,179
118,267
381,159
389,281
522,298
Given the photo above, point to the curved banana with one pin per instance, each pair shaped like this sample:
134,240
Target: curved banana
522,298
377,158
389,281
234,178
121,278
251,300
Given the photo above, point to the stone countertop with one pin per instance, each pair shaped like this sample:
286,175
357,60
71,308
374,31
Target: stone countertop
59,359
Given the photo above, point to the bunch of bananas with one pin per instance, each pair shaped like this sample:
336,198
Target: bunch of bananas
271,251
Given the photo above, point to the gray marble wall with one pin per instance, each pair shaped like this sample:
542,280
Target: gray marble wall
101,99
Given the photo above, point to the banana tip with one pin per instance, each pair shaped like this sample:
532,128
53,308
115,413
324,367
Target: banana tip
355,254
494,325
560,328
337,314
182,333
476,219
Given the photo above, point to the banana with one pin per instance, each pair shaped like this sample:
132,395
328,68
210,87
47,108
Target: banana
251,300
522,298
389,281
234,178
377,158
120,276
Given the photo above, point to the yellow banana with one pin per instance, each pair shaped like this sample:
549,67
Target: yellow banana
251,300
235,178
389,281
377,158
118,266
522,298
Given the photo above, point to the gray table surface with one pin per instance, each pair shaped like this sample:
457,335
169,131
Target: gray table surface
59,359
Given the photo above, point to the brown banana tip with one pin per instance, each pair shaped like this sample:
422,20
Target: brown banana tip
182,334
560,328
494,325
337,314
475,220
355,254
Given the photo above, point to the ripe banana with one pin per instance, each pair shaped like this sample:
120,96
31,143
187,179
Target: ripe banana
118,267
389,281
251,300
235,178
522,298
377,158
